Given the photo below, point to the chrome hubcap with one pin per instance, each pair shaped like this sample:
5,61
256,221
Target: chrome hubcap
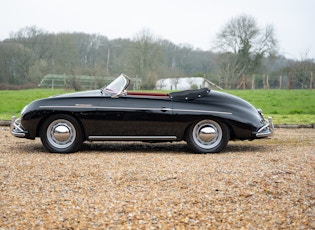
207,134
61,133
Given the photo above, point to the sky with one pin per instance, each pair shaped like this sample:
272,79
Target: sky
191,22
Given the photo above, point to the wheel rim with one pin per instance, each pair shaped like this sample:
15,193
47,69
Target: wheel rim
207,134
61,134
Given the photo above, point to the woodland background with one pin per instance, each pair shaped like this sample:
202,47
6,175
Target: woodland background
244,57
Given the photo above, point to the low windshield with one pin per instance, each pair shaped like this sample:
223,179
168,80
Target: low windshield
118,85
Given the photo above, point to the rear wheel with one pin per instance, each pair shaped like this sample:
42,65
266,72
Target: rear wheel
61,134
208,136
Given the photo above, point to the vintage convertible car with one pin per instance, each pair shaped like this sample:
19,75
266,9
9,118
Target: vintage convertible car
204,118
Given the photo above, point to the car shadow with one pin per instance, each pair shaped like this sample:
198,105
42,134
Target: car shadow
135,147
140,147
239,146
177,148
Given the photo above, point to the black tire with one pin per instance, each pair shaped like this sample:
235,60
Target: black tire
208,136
61,134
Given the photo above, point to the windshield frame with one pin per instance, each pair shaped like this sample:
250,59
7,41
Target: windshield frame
118,87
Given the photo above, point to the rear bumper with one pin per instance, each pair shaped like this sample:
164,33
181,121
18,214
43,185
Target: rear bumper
267,130
17,129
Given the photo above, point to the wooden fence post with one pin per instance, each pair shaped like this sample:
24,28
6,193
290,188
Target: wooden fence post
253,82
266,81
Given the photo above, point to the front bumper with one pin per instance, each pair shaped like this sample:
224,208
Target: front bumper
16,128
267,130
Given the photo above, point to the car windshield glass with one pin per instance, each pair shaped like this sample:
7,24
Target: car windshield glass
118,85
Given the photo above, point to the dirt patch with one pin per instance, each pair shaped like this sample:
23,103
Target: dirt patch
259,184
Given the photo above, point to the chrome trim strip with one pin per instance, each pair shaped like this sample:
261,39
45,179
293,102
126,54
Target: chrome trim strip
137,108
132,138
99,107
201,111
68,106
83,105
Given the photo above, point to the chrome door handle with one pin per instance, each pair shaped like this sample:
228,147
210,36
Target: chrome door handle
164,109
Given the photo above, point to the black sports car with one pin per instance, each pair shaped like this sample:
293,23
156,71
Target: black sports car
204,118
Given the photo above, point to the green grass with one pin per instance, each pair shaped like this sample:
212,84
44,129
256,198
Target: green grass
280,101
285,106
13,101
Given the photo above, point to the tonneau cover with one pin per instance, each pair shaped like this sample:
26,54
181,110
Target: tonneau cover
188,95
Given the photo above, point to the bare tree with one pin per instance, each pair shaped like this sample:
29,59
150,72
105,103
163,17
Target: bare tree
145,57
230,69
243,39
302,72
15,60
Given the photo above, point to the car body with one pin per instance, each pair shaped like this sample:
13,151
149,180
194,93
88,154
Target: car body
204,118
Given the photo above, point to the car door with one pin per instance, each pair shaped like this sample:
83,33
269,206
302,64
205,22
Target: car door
134,116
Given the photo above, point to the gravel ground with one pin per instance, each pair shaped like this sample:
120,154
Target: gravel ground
263,184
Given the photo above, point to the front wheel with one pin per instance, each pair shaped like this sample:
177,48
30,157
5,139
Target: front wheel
208,136
61,134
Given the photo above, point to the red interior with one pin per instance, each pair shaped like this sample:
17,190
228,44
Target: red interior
148,94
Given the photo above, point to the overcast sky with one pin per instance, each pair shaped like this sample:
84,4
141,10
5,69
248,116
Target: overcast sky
194,22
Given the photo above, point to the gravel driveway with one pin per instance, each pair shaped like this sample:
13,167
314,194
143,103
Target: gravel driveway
263,184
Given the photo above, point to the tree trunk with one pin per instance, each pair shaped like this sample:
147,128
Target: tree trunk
243,82
226,83
289,83
311,81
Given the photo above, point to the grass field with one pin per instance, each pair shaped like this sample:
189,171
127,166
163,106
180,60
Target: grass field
13,101
285,106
